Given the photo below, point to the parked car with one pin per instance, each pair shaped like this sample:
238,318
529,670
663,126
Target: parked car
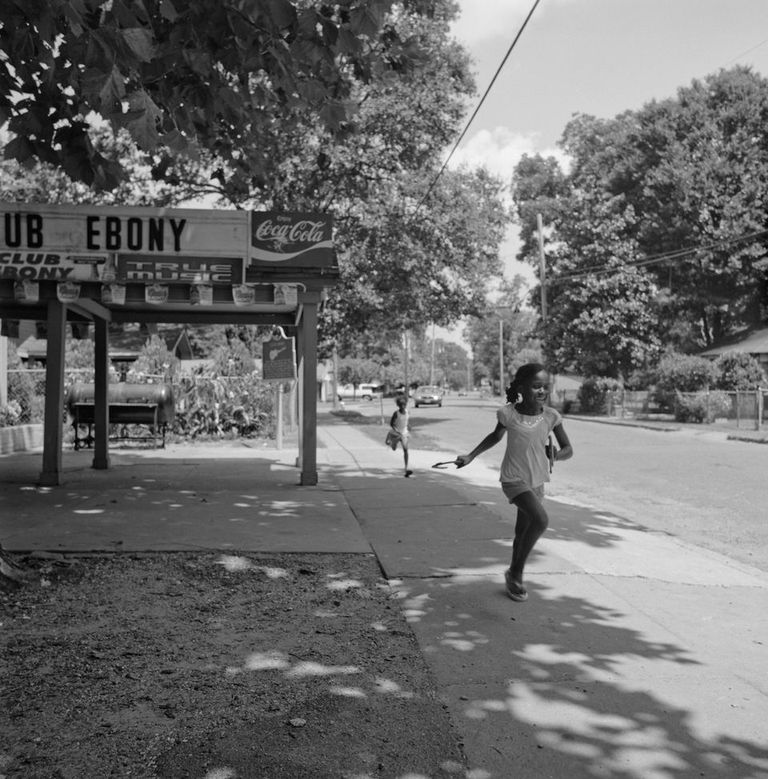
394,392
367,391
428,396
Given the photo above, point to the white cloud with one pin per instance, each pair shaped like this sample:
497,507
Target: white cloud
483,19
499,150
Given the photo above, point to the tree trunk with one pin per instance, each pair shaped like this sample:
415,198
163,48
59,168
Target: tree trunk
12,575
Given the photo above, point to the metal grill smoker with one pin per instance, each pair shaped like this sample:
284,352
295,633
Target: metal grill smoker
152,405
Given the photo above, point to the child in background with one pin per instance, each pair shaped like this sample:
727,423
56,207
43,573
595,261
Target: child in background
399,431
525,467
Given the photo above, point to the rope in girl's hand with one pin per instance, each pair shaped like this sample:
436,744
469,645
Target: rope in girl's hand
446,464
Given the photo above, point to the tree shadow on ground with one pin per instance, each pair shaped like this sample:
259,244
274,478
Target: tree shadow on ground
589,678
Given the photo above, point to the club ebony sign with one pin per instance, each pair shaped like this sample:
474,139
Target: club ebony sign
34,230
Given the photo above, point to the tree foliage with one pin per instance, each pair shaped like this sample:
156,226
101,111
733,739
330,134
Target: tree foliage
233,359
504,325
155,360
655,234
277,104
601,324
403,269
182,74
79,354
43,182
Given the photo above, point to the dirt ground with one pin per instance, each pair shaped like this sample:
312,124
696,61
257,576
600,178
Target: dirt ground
215,666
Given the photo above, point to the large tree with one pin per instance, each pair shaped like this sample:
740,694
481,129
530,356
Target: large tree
656,229
602,309
701,175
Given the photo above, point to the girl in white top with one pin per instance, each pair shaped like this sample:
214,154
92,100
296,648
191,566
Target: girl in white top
525,467
399,427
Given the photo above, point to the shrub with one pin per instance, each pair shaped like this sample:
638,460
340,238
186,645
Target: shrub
221,406
10,415
685,373
738,371
640,379
701,406
593,393
681,373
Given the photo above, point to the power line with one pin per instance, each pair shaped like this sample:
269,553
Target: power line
653,259
478,107
744,53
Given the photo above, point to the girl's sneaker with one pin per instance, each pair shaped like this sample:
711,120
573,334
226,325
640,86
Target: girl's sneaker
515,590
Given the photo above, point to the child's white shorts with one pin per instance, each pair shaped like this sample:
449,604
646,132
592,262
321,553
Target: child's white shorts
514,488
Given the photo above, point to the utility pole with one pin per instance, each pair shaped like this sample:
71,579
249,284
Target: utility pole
432,359
407,359
335,382
542,269
501,356
499,310
543,281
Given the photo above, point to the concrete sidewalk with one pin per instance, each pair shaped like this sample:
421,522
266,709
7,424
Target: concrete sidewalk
180,498
635,656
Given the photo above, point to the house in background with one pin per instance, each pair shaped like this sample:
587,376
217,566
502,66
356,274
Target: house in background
753,341
125,343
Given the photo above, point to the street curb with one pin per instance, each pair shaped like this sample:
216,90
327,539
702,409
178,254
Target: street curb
662,428
748,439
756,439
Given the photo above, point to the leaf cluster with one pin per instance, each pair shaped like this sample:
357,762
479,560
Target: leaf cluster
182,74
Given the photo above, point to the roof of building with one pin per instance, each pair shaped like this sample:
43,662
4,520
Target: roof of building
33,348
124,346
752,341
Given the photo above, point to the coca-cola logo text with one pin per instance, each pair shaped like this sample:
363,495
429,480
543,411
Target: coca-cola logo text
304,231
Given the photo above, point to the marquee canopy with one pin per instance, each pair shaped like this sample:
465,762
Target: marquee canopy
61,263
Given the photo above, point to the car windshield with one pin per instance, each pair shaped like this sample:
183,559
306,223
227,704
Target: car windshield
429,390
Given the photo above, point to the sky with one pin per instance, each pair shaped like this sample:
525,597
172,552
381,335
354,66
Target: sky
596,57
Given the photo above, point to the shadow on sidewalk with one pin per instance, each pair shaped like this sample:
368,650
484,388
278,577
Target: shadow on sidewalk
204,498
620,673
571,687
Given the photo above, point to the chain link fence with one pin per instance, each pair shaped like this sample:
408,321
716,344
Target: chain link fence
745,409
26,398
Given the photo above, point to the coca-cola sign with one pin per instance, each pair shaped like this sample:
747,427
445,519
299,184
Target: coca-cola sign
291,240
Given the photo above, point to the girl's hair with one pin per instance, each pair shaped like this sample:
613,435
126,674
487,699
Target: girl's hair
524,374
